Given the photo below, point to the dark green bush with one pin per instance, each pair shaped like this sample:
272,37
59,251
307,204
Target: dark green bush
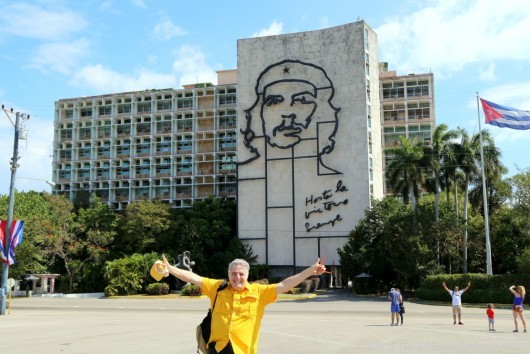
315,282
305,286
157,289
191,290
484,288
128,275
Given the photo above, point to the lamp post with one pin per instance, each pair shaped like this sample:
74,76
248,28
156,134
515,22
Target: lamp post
50,183
5,266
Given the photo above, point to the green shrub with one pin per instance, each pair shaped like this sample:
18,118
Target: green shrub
128,275
191,290
261,281
305,286
157,289
315,282
484,288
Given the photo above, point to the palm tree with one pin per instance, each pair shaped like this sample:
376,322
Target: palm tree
406,169
468,153
494,169
435,155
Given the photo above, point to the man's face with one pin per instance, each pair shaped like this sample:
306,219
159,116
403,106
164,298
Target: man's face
287,111
456,288
238,276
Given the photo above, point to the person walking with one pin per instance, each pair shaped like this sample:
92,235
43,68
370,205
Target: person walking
517,308
491,317
401,307
395,297
236,318
456,296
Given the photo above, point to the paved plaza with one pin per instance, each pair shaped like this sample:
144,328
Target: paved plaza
332,322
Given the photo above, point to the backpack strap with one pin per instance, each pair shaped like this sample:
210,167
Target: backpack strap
221,287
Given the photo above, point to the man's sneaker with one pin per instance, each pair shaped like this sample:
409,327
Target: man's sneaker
460,323
515,331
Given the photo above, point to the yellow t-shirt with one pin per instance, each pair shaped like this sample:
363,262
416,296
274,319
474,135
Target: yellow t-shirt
237,314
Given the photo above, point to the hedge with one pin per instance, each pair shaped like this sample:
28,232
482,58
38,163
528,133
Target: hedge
484,288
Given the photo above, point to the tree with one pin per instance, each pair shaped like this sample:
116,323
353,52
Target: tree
35,209
436,157
406,170
467,150
208,230
97,227
143,225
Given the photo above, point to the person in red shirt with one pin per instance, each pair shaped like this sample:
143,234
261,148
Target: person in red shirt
491,317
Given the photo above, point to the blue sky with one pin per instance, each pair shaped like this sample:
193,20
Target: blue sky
54,49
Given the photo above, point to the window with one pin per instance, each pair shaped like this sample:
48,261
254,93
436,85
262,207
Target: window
227,99
163,105
124,108
105,110
393,90
144,107
185,103
227,141
86,112
228,163
417,88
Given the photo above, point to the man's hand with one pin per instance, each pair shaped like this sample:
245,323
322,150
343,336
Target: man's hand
319,268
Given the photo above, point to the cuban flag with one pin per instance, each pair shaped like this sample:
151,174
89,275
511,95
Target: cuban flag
17,231
505,117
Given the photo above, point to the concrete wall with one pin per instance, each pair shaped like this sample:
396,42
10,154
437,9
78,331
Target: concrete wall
304,174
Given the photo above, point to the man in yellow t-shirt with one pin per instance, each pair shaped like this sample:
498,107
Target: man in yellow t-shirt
236,318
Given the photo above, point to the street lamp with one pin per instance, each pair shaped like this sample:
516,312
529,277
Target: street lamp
14,165
50,183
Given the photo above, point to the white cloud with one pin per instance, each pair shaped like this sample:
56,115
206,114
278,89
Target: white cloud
139,3
448,35
33,21
488,73
167,30
103,80
274,29
191,65
59,57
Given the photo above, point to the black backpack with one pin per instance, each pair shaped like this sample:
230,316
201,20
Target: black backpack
205,328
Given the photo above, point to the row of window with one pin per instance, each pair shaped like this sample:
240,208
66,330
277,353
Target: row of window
143,107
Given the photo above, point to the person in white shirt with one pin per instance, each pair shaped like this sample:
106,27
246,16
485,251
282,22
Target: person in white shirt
456,295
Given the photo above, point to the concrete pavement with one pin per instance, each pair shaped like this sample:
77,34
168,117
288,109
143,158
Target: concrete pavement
332,322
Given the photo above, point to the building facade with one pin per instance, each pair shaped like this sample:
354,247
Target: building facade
174,145
296,134
407,109
309,151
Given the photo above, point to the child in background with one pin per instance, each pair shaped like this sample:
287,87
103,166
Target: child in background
491,317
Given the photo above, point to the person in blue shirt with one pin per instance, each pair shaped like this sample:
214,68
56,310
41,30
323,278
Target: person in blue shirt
395,297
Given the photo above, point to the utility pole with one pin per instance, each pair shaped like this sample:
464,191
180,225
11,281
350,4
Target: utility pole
4,287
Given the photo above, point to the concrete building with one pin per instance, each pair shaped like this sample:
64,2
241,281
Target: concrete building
174,145
296,134
310,150
407,108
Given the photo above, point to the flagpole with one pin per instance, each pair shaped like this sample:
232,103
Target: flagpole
489,270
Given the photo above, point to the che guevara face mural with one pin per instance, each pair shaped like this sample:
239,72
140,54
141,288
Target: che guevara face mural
293,105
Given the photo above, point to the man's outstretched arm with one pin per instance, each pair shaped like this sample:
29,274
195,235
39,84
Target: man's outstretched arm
182,274
292,281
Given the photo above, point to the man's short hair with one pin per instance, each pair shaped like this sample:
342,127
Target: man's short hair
240,262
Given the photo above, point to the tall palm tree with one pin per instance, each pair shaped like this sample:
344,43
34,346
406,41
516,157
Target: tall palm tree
435,155
406,169
494,169
468,152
